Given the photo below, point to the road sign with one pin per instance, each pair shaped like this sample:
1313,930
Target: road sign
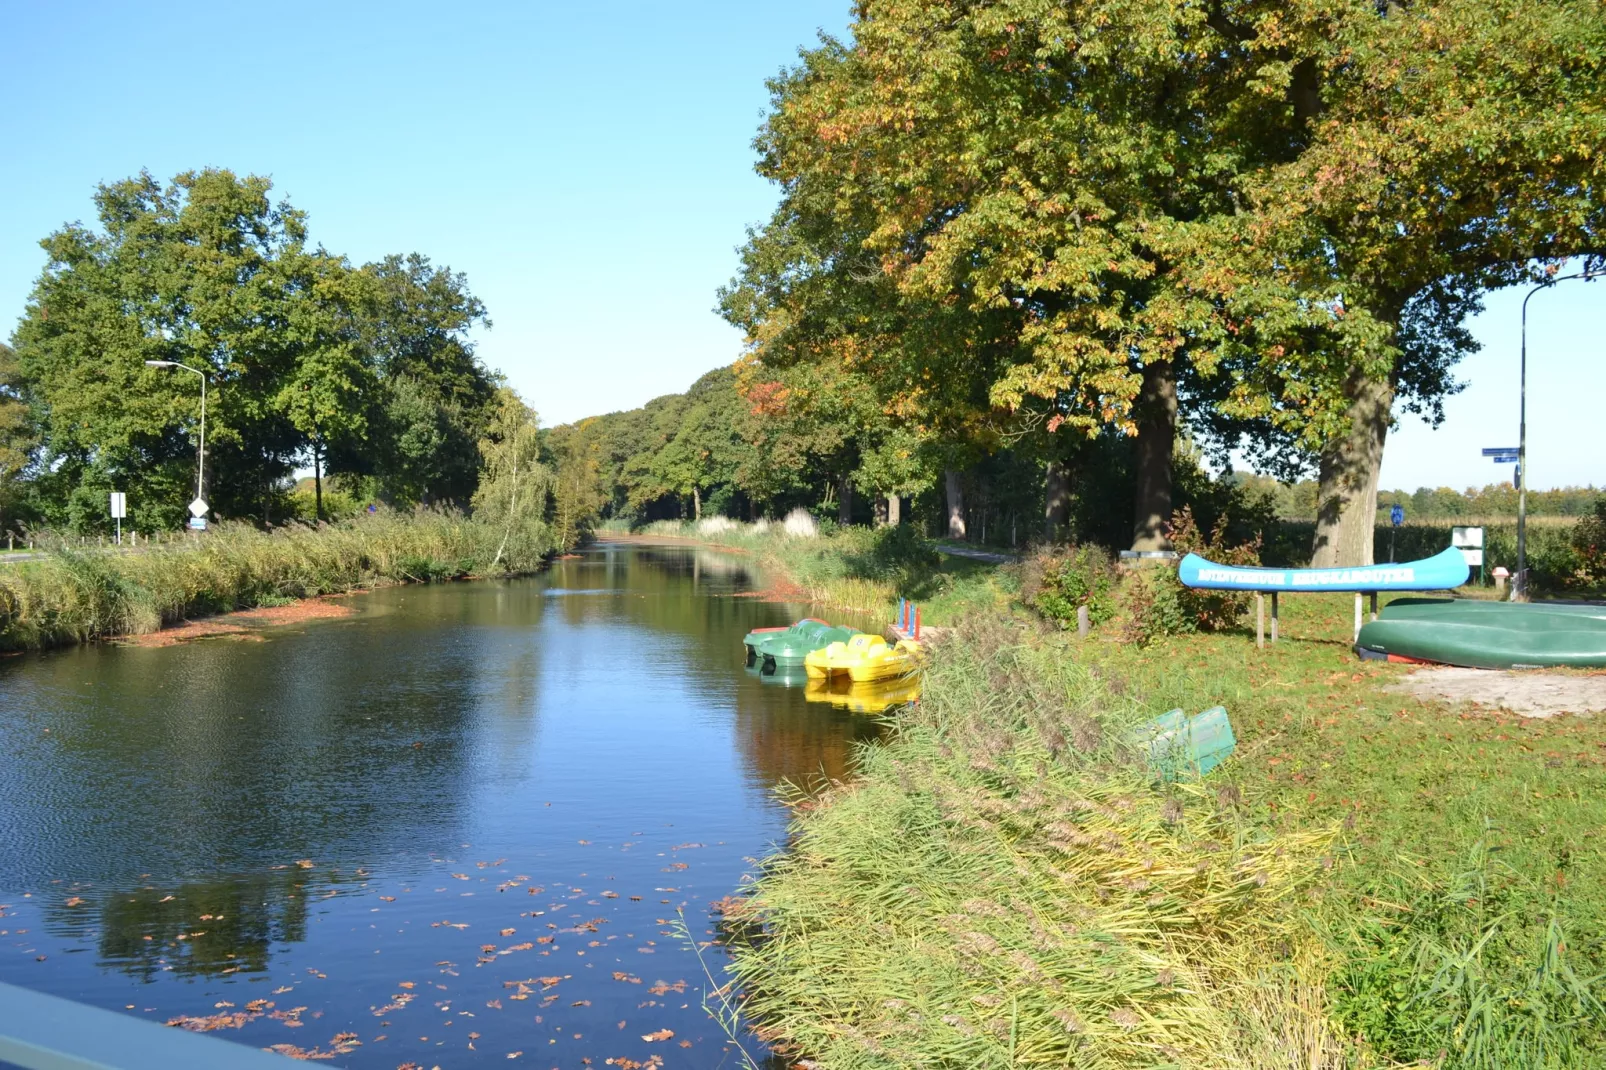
119,505
1397,515
198,523
198,507
1466,538
1501,454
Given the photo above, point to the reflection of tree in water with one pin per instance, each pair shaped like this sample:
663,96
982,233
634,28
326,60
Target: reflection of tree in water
197,929
799,745
779,736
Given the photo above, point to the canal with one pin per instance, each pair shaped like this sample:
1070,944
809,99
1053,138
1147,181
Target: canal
456,827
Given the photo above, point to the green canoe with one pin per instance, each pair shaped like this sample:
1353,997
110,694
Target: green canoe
1487,635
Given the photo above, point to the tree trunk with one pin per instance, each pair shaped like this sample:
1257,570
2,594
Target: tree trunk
696,504
894,510
844,505
1156,415
1056,500
1346,494
879,506
956,504
317,483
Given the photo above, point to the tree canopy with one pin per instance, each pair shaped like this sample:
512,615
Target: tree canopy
366,373
1259,222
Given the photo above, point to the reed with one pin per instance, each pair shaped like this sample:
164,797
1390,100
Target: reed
78,594
1004,885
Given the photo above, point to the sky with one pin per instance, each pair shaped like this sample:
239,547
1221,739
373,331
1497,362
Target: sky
588,166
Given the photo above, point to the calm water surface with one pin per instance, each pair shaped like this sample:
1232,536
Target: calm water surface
457,824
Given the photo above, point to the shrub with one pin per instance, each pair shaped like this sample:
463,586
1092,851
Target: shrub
1158,604
1057,583
1589,544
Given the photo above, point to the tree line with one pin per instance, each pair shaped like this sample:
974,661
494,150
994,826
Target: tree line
364,373
1017,239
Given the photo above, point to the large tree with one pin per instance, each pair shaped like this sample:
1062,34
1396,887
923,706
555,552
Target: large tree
1443,150
1253,217
189,272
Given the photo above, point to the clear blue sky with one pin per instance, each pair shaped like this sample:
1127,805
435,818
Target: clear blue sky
588,166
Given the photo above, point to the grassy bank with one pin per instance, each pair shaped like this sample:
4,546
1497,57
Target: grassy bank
1373,880
861,569
77,594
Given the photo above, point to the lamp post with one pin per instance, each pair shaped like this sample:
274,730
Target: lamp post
200,452
1519,589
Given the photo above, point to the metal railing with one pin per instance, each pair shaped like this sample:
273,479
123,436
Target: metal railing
40,1032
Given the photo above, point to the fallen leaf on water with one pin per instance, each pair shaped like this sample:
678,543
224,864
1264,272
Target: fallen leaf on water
509,932
75,901
662,1034
304,863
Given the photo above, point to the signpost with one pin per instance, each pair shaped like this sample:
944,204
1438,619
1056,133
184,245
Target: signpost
1470,542
119,511
1396,518
198,510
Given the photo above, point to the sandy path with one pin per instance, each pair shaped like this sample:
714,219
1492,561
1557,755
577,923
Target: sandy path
1530,693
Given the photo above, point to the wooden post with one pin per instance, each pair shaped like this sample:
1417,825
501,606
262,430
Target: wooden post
1274,616
1260,620
1357,614
1083,623
1374,605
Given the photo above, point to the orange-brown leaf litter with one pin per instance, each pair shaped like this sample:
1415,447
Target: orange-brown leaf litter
246,624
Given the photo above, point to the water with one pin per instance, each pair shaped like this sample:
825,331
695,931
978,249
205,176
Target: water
374,828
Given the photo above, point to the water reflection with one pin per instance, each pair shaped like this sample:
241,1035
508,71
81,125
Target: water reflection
196,929
299,811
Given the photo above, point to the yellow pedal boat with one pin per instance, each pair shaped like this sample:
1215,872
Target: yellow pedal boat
864,658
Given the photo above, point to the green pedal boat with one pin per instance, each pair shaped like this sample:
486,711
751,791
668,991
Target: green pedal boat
782,648
1487,635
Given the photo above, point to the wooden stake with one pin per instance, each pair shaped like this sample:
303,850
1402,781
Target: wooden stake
1357,614
1274,616
1083,623
1260,620
1374,605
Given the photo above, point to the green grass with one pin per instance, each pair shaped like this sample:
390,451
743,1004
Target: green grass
77,594
1002,886
865,570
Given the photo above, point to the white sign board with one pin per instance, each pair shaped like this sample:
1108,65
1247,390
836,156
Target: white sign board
198,507
1474,557
119,505
1467,538
198,523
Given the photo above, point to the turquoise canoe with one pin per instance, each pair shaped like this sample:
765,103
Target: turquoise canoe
1441,572
1487,635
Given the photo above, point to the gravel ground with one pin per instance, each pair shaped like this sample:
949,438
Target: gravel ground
1530,693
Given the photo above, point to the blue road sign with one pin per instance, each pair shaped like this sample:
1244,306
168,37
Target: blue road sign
1397,515
1501,454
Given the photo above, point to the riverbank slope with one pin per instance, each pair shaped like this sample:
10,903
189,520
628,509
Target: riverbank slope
1378,876
75,595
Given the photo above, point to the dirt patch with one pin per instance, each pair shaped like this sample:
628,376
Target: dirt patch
244,624
1527,692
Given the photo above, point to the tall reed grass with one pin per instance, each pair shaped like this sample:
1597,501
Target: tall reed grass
77,594
1004,885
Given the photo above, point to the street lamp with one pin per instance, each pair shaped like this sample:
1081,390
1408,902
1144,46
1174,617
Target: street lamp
200,452
1519,590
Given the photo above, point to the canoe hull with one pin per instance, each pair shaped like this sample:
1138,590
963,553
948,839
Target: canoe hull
1488,635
